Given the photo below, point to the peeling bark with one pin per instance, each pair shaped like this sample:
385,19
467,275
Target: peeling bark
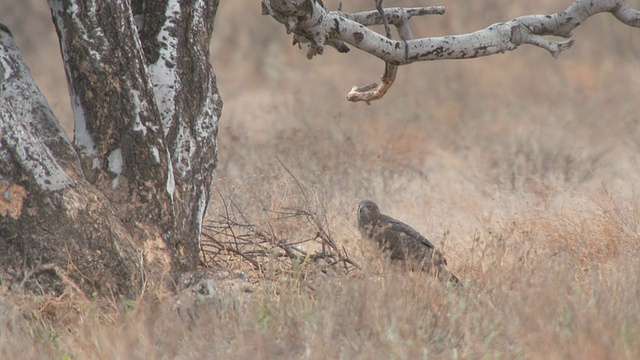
55,227
123,205
117,131
176,46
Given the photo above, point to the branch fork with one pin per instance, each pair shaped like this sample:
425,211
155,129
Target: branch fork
312,23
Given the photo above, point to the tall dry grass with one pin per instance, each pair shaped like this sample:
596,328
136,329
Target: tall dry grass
524,169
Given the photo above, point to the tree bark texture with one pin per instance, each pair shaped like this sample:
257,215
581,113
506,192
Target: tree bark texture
313,24
311,21
123,205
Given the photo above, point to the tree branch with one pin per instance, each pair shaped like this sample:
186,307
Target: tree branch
395,16
309,19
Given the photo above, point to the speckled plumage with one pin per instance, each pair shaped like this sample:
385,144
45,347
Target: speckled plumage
401,241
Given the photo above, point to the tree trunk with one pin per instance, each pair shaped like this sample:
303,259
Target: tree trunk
122,206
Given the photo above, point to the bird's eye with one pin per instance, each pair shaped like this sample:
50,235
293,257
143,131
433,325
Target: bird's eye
369,207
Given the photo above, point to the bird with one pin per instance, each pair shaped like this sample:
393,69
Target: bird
401,241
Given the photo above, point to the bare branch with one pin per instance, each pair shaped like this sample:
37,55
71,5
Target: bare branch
394,16
375,91
385,22
229,241
309,19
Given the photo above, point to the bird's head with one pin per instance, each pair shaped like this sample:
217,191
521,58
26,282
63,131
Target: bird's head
367,210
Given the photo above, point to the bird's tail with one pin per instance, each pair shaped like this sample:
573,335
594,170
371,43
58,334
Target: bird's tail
438,264
449,277
454,279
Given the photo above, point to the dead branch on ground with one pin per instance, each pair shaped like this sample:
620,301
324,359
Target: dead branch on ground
233,239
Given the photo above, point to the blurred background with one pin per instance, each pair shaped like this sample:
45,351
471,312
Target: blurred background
454,147
523,168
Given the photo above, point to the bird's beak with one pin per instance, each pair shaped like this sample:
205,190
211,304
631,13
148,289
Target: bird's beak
360,208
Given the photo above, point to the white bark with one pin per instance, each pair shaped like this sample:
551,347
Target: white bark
32,154
177,50
29,128
54,225
163,71
158,112
313,24
109,213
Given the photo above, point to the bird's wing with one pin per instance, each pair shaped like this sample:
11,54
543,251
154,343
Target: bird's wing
392,225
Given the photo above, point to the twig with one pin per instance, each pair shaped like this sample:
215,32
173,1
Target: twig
253,243
387,30
234,250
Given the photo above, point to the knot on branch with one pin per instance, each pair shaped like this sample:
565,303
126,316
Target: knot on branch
298,16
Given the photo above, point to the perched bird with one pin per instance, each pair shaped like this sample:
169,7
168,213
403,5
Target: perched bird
401,241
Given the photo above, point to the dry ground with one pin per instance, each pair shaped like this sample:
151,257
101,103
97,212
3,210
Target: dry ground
524,169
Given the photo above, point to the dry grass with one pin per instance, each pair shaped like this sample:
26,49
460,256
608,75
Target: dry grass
523,168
